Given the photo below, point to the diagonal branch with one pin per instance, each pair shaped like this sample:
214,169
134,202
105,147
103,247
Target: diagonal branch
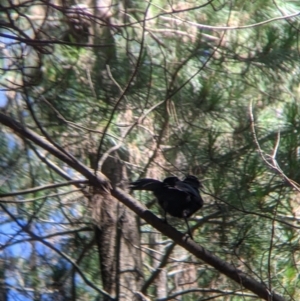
181,239
44,187
100,181
61,253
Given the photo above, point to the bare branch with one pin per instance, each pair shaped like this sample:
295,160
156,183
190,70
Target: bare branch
184,241
209,27
44,187
100,180
62,254
273,165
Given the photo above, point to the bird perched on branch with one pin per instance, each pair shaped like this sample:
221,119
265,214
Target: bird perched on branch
178,198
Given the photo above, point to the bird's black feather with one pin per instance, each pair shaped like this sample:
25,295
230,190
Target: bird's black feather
177,198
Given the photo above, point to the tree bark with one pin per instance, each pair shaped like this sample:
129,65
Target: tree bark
118,238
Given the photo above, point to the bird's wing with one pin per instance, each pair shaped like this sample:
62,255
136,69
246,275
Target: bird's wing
187,189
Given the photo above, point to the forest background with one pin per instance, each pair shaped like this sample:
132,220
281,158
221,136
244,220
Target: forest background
97,93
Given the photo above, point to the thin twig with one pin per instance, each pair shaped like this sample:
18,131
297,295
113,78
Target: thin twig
209,27
273,164
62,254
40,188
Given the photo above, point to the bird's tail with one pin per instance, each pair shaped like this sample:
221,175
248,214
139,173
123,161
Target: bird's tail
146,184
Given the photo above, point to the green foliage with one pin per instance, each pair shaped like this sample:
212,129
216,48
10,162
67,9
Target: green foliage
170,97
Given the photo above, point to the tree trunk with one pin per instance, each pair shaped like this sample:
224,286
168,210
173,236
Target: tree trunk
118,238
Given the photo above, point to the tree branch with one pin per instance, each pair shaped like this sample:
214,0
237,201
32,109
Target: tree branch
44,187
181,239
184,241
100,180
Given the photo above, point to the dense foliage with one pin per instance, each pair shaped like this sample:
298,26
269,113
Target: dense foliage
165,88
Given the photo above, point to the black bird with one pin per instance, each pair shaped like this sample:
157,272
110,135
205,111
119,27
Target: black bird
178,198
